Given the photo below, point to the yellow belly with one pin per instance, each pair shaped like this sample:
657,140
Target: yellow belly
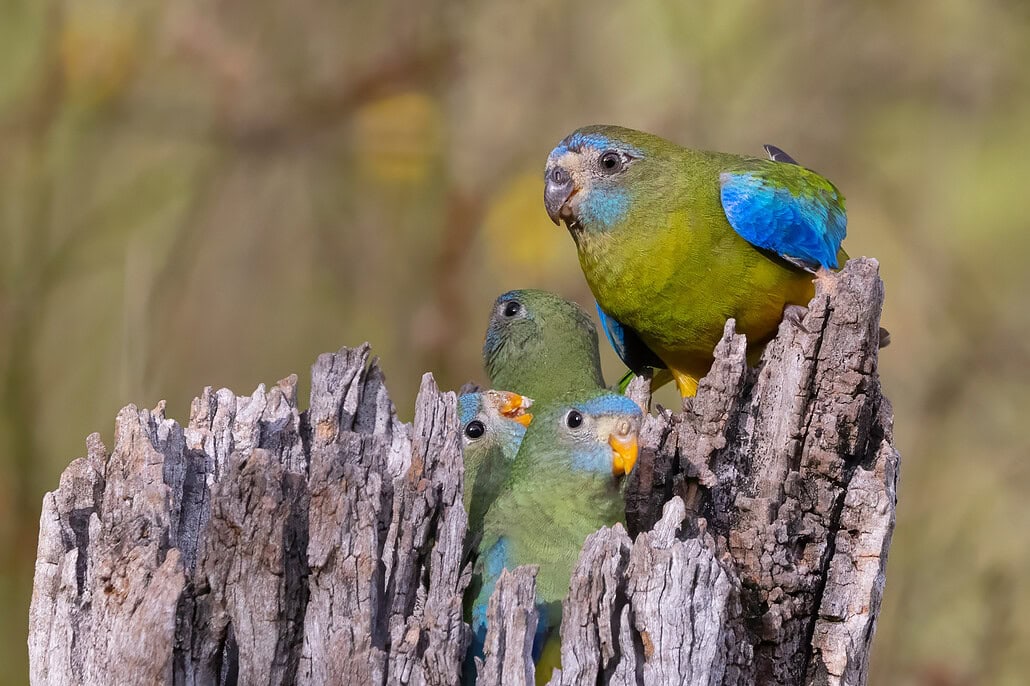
691,357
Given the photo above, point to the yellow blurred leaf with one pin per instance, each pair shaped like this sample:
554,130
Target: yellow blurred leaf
99,50
520,237
397,138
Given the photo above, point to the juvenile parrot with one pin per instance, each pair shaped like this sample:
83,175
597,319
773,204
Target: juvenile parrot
492,426
541,345
674,241
564,485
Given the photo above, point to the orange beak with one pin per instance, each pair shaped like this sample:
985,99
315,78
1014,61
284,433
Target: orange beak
513,406
624,450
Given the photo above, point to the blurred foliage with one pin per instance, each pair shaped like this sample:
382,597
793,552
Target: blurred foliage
196,193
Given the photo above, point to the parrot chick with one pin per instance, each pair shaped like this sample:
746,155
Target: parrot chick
492,426
565,484
541,345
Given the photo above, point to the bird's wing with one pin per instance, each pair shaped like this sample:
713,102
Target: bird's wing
788,210
490,565
778,154
633,352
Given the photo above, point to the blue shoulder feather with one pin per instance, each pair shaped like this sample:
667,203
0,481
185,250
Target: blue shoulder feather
805,229
633,352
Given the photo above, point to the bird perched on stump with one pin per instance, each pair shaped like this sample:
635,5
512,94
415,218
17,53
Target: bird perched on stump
674,241
565,484
541,345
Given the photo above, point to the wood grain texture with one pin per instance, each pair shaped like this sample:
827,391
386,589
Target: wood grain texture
260,544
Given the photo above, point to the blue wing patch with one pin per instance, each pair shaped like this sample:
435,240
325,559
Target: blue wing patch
805,228
496,560
633,352
492,564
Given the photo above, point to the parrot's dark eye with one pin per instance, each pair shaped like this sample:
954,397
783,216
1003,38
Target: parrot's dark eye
573,419
610,162
475,429
512,308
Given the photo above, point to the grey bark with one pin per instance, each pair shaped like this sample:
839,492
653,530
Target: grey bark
264,545
512,619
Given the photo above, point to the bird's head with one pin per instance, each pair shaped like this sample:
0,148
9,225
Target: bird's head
522,321
590,175
599,433
496,417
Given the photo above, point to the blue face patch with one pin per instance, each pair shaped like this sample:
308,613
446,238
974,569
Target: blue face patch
597,457
510,436
603,207
603,203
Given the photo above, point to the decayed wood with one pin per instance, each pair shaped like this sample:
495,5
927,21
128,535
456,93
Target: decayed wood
512,621
261,544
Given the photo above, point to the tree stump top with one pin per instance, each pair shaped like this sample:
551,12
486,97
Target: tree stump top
259,544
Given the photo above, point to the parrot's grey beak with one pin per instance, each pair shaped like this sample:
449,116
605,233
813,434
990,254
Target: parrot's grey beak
558,188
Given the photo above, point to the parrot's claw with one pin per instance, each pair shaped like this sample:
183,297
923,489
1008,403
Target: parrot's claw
795,314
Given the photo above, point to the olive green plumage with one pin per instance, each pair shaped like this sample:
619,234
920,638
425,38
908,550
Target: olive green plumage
674,241
540,345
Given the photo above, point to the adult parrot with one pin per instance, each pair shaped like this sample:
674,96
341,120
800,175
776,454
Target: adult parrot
674,241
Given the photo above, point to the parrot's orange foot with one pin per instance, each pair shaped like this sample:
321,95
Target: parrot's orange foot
686,384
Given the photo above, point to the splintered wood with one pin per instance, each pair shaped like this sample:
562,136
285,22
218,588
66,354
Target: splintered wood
264,545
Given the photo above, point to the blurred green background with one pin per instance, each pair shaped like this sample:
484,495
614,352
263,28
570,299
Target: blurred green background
202,194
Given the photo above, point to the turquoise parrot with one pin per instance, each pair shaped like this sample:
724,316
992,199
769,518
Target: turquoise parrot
541,345
492,426
674,241
564,485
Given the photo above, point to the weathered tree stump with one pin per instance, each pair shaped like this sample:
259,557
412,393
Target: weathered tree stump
264,545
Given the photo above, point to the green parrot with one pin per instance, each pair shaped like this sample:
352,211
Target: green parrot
492,426
540,345
564,485
674,241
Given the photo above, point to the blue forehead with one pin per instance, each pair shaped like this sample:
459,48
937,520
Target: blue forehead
468,407
609,403
579,140
510,295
